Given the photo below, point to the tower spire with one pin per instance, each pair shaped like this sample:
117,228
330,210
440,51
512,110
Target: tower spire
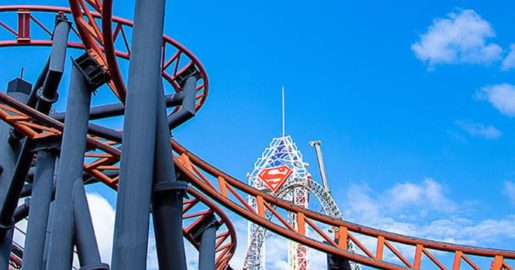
283,114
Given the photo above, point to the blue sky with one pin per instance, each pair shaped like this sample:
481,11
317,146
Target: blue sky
408,97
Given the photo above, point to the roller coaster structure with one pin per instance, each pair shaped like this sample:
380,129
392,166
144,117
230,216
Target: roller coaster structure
298,187
282,152
153,172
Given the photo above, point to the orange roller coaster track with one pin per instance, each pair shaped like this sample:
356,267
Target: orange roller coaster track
212,188
103,156
229,192
28,29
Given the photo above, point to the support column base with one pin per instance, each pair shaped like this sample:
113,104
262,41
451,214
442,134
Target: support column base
102,266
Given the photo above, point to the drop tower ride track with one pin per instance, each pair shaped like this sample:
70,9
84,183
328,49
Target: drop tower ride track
210,186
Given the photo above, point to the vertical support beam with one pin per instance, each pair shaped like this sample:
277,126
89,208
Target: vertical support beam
42,97
87,247
9,152
204,232
33,98
335,262
47,235
457,260
167,199
47,95
497,263
5,250
342,236
207,248
418,257
41,197
260,206
23,26
380,248
87,75
139,135
301,223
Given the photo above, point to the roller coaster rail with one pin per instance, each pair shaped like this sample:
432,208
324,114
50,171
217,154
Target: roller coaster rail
211,191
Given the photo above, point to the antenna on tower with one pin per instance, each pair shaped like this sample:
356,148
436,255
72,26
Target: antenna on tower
284,124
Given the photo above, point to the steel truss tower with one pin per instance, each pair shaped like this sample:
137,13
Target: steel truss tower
281,172
281,152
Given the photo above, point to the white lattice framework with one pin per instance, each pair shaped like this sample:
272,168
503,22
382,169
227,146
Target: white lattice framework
282,151
297,188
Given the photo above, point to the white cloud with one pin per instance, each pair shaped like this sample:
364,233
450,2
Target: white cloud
389,210
317,259
152,263
102,215
428,193
509,62
458,38
369,208
446,224
480,130
241,227
276,253
501,96
510,190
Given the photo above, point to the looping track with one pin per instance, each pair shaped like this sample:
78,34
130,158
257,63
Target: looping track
101,159
32,31
230,192
211,186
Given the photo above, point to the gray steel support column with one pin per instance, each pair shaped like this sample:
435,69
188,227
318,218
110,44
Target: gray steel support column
22,211
139,134
33,98
47,235
85,239
5,250
46,96
335,262
206,256
167,199
9,152
41,197
70,168
187,109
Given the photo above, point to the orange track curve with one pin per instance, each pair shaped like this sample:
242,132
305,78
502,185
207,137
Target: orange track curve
228,192
231,193
103,155
27,18
176,58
